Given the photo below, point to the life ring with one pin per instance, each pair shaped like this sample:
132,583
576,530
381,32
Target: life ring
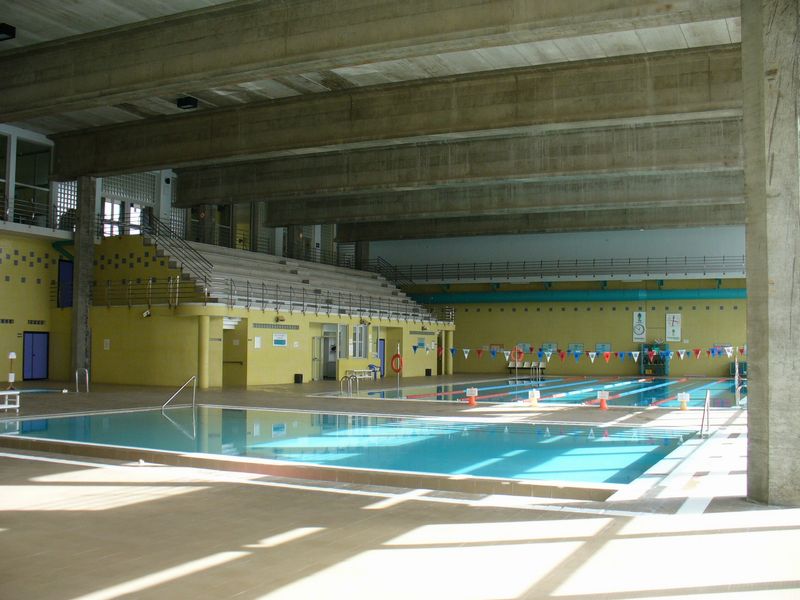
518,355
397,363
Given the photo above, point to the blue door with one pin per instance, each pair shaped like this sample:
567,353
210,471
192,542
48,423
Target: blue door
35,348
382,355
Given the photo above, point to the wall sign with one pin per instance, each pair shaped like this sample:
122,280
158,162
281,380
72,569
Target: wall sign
639,326
280,339
673,327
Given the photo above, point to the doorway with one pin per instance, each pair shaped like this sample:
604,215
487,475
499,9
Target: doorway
382,355
35,351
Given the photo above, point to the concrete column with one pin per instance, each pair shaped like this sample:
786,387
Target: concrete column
362,254
203,331
83,270
771,67
448,356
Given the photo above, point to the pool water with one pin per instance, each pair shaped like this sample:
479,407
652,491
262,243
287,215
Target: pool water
639,391
514,451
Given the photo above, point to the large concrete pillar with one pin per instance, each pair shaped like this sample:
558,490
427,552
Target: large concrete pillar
361,255
294,242
771,78
203,332
83,270
448,356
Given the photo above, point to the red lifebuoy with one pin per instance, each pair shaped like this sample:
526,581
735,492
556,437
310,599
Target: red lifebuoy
518,355
397,363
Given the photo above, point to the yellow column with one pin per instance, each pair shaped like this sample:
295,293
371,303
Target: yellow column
448,356
203,329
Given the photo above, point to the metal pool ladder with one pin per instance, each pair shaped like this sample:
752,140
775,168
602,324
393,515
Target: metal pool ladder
191,379
85,371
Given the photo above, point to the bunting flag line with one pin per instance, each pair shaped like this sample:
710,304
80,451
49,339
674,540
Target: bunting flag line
465,351
621,355
650,355
592,356
493,352
681,353
479,352
607,356
635,355
562,355
547,355
697,353
577,355
506,353
729,351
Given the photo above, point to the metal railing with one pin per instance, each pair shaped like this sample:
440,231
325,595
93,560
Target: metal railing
85,372
191,379
697,266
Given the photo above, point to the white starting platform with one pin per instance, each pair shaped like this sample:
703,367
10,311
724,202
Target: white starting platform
9,399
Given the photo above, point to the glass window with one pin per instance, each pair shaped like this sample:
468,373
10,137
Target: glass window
359,341
343,339
112,211
3,155
32,192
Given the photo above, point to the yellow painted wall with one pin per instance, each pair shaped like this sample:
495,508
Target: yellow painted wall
273,363
704,324
28,273
128,348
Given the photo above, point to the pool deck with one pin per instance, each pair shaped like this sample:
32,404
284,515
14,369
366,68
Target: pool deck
94,528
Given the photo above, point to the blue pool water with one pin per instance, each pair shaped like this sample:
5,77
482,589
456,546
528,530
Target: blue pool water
635,391
514,451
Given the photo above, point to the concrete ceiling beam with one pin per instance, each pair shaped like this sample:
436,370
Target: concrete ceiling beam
557,222
696,145
241,42
665,191
629,87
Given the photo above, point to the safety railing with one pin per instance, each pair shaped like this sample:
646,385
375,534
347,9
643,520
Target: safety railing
348,380
85,372
705,421
697,266
258,295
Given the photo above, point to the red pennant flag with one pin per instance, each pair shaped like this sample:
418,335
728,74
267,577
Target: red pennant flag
650,355
562,355
607,356
708,353
741,350
479,352
697,352
439,350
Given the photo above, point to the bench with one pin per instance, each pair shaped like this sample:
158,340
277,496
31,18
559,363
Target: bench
9,399
362,373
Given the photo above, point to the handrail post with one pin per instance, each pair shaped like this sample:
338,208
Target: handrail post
86,375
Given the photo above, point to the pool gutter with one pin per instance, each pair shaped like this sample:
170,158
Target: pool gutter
450,483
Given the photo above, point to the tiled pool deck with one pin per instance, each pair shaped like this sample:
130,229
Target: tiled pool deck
93,528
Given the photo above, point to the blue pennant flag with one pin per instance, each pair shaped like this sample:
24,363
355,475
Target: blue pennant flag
493,352
577,355
414,348
453,351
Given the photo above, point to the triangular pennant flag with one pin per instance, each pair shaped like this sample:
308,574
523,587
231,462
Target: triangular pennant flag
506,353
562,355
479,352
709,353
664,354
697,352
650,355
681,353
547,355
465,351
741,350
729,351
540,354
415,348
453,352
635,356
607,356
592,356
577,355
493,352
621,355
439,350
671,354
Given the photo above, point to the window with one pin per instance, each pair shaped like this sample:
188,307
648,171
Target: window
112,214
360,341
343,341
66,205
32,190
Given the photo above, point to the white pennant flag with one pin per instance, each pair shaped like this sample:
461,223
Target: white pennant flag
681,353
506,353
635,356
547,355
671,355
592,356
466,352
729,351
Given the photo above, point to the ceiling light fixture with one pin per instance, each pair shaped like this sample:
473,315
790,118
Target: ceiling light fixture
186,102
7,32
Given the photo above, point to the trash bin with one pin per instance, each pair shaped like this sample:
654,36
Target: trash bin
428,372
298,378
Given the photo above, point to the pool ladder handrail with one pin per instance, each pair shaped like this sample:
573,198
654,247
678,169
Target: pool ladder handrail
191,379
350,378
705,422
86,379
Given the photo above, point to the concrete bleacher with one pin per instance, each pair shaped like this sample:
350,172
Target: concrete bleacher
272,277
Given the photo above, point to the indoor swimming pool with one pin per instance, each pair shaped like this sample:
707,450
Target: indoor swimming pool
517,451
623,391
